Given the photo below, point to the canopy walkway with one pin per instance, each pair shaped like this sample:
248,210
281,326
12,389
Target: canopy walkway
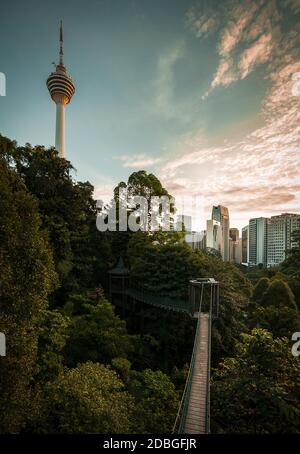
196,419
193,416
163,302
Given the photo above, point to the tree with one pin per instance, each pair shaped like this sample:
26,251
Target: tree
275,309
68,212
97,335
257,390
88,399
156,401
291,266
139,184
53,335
260,288
165,268
281,321
278,294
27,278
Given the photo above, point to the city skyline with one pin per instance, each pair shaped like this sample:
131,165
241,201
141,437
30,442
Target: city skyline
202,97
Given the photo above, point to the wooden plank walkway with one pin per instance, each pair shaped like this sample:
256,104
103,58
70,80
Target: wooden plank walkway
196,413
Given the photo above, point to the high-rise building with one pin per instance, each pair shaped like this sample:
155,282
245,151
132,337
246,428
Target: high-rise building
183,221
245,244
280,230
61,89
234,233
221,215
258,234
231,250
196,240
237,251
214,237
235,246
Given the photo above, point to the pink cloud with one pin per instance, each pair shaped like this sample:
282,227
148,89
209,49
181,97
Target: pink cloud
258,175
258,53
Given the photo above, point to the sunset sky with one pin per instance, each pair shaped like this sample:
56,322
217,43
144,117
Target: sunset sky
201,93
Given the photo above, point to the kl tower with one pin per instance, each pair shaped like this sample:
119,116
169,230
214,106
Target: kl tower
61,89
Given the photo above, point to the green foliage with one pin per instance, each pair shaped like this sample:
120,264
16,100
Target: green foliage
146,185
87,399
260,288
281,321
257,391
139,184
254,273
98,335
53,335
47,225
291,266
156,401
165,268
278,294
68,212
27,277
122,366
275,308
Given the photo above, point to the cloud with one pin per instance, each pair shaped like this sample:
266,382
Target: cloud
139,161
250,37
104,191
294,5
256,176
258,53
224,75
201,21
164,100
240,15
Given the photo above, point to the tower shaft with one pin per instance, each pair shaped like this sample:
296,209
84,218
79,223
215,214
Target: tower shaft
61,88
60,129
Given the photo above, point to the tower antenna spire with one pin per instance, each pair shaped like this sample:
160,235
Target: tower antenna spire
61,44
61,88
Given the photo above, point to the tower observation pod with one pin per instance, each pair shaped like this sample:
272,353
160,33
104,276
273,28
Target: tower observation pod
61,88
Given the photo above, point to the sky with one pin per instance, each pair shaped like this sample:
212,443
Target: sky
204,94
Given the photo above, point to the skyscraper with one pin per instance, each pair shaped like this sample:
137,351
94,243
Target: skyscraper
245,244
235,246
234,234
221,214
258,236
214,238
280,230
61,89
183,221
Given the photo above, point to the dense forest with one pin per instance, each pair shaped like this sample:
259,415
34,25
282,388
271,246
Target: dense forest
77,363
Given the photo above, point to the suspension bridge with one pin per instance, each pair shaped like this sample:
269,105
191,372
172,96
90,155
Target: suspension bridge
193,416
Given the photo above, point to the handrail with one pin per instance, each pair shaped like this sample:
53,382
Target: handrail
182,411
165,302
207,403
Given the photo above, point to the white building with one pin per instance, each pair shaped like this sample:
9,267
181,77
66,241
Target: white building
280,229
258,237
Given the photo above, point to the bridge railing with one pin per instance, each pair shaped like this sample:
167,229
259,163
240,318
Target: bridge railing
201,301
140,293
184,404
